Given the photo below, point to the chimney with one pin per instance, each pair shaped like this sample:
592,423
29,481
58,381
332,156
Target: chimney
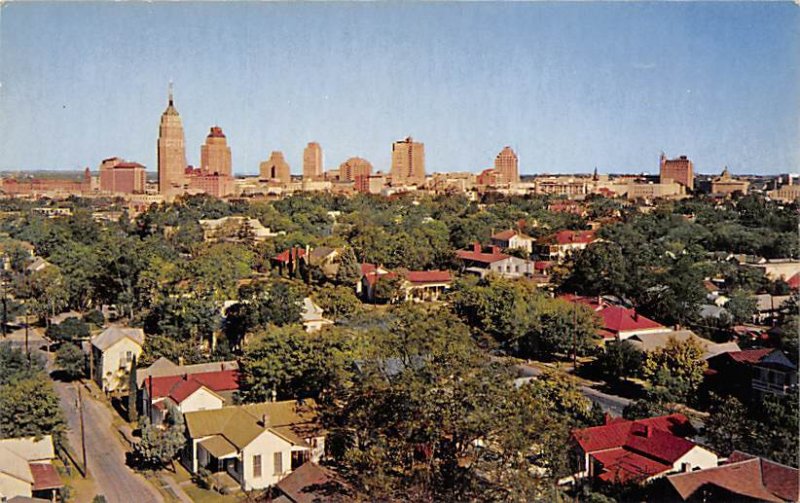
180,361
789,179
265,420
495,250
635,315
476,247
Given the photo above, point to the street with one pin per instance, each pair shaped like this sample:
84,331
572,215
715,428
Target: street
104,452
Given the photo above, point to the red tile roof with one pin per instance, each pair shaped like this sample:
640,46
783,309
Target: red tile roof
623,466
178,388
636,450
542,265
794,282
570,237
615,433
429,276
284,255
45,476
745,475
618,319
750,355
476,254
367,268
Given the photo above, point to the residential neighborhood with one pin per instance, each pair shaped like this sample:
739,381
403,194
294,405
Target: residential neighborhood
230,274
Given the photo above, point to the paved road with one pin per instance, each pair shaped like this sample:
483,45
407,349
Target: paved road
104,452
612,404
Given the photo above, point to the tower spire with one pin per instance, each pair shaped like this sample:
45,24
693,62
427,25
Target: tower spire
170,93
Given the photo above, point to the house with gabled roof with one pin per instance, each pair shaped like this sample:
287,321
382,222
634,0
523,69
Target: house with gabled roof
634,452
165,367
26,469
743,477
256,445
513,240
477,261
188,393
562,244
113,351
752,373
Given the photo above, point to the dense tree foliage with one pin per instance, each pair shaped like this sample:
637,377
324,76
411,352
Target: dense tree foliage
29,405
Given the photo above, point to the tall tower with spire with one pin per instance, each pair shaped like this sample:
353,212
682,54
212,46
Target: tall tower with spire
171,150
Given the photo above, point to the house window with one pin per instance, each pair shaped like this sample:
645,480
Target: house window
257,465
278,463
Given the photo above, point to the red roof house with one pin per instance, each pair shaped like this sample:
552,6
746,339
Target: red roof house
206,390
623,451
743,477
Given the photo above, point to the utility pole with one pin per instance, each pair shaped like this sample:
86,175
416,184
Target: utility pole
27,350
83,434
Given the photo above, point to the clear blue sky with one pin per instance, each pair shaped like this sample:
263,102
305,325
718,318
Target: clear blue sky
570,86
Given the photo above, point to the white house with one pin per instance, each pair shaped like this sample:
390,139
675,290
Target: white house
512,239
113,351
256,445
479,262
312,316
26,468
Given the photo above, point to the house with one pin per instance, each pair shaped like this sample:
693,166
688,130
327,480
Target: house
768,307
623,451
163,367
188,393
752,373
478,262
312,316
236,228
564,243
425,286
617,322
256,445
743,477
323,255
370,273
26,469
38,264
113,351
649,342
309,484
513,240
289,260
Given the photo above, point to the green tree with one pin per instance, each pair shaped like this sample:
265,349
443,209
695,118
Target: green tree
599,269
15,364
387,289
30,407
620,360
338,302
69,330
349,271
729,426
678,368
71,361
159,446
741,305
133,393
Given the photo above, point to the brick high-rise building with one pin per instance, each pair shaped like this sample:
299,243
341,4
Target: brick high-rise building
354,167
408,162
120,177
275,168
215,155
312,162
171,151
506,166
680,170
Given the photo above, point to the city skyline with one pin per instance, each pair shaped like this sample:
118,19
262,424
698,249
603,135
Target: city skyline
716,82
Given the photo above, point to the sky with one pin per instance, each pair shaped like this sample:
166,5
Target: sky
570,86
